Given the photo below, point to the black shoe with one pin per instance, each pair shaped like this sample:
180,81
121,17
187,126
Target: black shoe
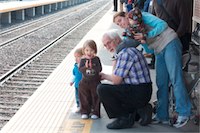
137,117
122,122
145,114
151,66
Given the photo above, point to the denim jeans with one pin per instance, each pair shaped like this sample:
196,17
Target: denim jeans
77,97
169,70
129,7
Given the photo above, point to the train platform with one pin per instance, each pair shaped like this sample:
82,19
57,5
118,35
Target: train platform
50,108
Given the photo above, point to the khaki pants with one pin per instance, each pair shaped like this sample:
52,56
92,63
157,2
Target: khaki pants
121,7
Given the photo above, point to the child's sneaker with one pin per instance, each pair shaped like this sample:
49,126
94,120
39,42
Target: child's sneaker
84,116
94,117
76,109
181,121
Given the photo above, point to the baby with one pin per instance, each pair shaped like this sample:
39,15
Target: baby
136,25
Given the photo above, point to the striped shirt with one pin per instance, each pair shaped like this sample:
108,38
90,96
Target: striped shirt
132,67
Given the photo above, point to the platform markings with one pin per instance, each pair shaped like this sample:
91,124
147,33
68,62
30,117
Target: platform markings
78,126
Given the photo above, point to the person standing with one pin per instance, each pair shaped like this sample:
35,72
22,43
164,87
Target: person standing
122,2
146,6
90,67
77,76
168,52
178,15
115,4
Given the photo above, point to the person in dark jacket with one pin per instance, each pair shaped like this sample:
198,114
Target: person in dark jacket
115,4
178,15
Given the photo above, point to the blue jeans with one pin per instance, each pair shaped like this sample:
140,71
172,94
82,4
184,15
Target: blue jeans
129,7
77,97
169,70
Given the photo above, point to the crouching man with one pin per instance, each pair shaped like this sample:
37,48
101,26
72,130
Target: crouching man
131,90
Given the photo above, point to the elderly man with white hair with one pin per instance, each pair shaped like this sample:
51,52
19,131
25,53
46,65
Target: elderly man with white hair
131,87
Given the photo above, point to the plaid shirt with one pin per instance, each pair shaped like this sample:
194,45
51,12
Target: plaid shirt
132,67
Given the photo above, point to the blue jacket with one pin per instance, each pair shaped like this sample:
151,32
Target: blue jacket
156,24
77,75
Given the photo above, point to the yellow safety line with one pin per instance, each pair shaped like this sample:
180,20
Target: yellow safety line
77,126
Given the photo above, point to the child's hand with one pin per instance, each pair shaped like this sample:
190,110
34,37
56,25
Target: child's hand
86,63
143,41
139,36
102,76
71,83
133,32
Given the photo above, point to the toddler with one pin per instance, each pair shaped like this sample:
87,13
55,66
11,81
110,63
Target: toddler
90,67
77,75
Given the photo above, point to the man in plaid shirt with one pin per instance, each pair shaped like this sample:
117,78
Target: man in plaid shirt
131,87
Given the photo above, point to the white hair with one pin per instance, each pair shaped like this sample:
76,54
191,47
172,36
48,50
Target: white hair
112,34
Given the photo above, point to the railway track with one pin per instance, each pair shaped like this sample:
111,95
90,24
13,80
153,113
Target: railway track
20,80
13,34
30,39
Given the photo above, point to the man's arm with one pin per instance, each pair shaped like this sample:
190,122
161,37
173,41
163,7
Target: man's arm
113,78
116,79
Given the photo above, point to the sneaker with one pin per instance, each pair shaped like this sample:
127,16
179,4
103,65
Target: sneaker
155,120
94,117
76,109
151,66
84,116
181,121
